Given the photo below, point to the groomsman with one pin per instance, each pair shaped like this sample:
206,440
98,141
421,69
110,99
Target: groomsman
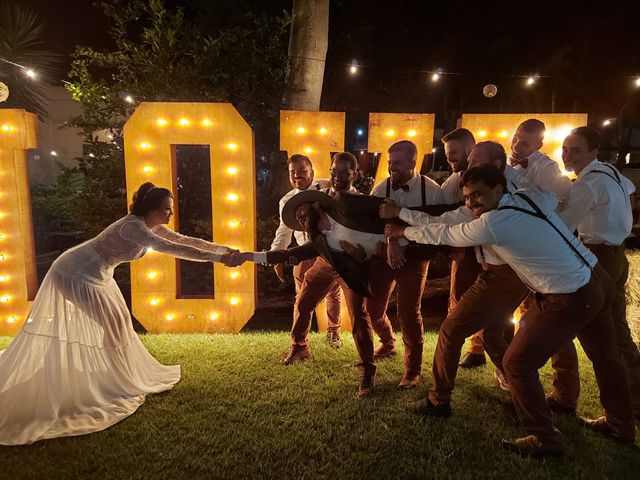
599,208
464,266
407,188
536,168
573,298
301,177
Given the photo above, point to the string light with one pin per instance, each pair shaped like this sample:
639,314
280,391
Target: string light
300,130
360,132
147,169
503,134
390,133
232,146
233,224
411,133
482,133
145,145
30,73
154,302
2,258
234,300
322,131
308,150
214,316
234,274
1,235
161,122
152,275
92,155
353,69
206,122
4,298
513,320
183,122
129,99
436,75
606,123
4,278
170,316
12,319
232,170
532,79
232,197
637,82
54,153
434,150
6,128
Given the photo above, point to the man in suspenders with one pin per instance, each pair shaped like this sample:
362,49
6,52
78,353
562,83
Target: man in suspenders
301,178
488,303
599,209
409,189
573,298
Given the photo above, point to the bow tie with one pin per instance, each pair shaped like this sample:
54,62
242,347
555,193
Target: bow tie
404,187
524,163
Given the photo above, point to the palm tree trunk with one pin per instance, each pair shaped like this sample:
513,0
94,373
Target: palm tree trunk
307,53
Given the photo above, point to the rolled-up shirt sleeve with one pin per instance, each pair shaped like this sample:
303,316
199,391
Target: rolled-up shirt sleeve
466,234
415,217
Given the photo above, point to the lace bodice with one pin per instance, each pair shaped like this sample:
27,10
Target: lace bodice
129,238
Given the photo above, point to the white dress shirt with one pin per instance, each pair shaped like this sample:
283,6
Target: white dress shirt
598,206
413,197
529,245
451,191
544,173
282,239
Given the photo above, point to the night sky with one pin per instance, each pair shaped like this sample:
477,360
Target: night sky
588,54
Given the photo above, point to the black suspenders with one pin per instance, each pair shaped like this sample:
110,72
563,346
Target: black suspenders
423,193
540,214
615,178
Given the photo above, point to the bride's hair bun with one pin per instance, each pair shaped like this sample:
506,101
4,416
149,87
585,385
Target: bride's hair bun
147,198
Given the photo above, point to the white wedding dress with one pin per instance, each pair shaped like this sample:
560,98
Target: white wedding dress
77,366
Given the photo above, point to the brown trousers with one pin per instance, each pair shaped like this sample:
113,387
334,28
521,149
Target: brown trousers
333,297
551,322
318,281
463,275
410,279
489,304
566,387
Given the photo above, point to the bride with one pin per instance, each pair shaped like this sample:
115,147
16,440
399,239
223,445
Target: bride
77,366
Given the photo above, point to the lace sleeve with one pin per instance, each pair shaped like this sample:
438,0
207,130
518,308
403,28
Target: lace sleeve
138,233
199,243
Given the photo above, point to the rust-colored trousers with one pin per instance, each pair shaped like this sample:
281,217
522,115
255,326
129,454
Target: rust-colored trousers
410,280
489,304
566,379
552,321
333,297
318,281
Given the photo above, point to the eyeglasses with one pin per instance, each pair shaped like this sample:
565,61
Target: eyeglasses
340,173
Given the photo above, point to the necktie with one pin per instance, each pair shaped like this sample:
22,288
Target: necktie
404,187
524,163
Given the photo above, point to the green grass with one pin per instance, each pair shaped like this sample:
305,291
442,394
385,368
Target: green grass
237,413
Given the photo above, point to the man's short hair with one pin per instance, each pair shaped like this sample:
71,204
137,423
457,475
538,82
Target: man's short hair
591,135
533,125
346,157
460,134
495,151
406,146
487,174
298,157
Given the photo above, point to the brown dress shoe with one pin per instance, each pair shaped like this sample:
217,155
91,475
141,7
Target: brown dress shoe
473,360
601,426
531,446
425,407
334,339
557,407
409,380
367,382
384,351
296,354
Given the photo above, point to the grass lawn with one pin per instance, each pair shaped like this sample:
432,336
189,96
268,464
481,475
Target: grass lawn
237,413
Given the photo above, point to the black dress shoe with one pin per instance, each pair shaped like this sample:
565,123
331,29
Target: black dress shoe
531,447
601,426
473,360
557,407
425,407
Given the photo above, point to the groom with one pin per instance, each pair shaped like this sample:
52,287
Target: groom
345,232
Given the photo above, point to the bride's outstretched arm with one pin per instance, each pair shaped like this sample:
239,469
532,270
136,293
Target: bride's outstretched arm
138,233
199,243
